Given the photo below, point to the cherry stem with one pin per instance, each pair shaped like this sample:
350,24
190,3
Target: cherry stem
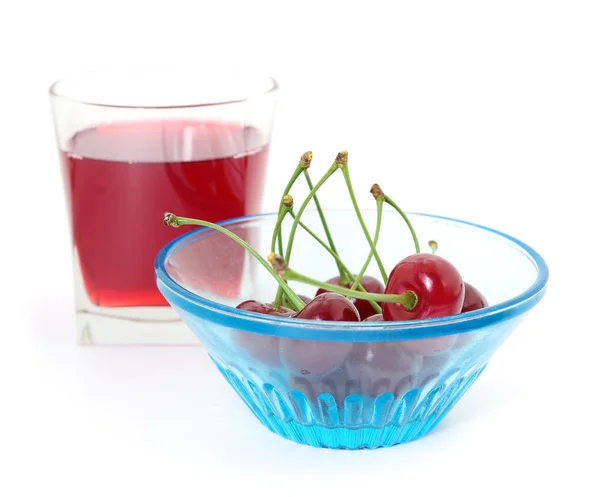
346,173
303,164
277,229
390,202
341,158
408,299
280,241
287,202
343,277
375,240
433,245
341,264
176,221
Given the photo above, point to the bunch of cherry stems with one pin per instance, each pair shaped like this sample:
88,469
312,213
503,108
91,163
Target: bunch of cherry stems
278,266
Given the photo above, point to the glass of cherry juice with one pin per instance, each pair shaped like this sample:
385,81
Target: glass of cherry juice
134,145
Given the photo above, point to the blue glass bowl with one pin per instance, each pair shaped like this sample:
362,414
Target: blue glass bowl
347,385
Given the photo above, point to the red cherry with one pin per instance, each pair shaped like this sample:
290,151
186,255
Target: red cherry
264,348
437,283
370,284
329,307
474,299
262,308
316,357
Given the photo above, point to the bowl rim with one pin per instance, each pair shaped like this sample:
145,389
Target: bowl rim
224,315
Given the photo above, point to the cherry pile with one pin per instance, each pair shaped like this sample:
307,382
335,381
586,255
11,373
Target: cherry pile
420,286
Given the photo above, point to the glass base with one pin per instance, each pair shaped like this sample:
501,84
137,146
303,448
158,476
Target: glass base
132,326
126,325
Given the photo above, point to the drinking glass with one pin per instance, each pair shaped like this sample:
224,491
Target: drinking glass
134,144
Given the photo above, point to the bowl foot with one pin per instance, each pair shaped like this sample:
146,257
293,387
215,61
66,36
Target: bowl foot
354,422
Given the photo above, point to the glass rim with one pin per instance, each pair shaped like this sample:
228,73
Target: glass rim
54,90
360,331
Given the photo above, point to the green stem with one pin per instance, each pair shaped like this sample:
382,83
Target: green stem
362,223
374,304
408,299
375,240
280,242
279,296
176,221
343,277
277,229
390,202
334,167
280,212
303,164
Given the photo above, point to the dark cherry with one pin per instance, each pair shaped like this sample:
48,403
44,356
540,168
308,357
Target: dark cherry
370,284
317,357
264,348
437,283
474,299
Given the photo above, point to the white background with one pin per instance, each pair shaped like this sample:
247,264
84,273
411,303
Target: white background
487,111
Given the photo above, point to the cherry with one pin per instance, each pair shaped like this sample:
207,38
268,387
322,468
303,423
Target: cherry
262,308
425,346
381,367
264,348
474,299
329,307
374,317
370,284
317,357
436,282
313,357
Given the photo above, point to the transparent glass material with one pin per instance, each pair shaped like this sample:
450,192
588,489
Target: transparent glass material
134,144
349,385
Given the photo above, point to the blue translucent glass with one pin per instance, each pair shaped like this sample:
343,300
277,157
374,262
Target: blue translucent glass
348,385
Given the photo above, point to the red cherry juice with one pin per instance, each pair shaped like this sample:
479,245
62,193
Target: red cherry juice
121,178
